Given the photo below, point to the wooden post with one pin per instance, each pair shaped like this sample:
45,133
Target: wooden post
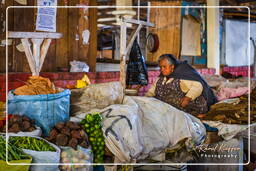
138,18
147,28
93,36
134,35
29,55
254,62
122,54
213,38
43,52
36,52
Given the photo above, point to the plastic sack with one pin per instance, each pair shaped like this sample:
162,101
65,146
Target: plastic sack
77,66
136,67
44,157
155,127
228,131
46,110
81,156
143,127
95,96
37,132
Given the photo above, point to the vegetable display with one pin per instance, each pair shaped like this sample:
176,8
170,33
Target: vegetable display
69,155
68,134
14,153
31,143
17,123
92,126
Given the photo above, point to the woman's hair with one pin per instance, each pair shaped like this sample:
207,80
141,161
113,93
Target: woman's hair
169,58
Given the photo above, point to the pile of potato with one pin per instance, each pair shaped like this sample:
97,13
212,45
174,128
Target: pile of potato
68,134
76,157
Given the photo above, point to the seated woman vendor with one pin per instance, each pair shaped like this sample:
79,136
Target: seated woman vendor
181,86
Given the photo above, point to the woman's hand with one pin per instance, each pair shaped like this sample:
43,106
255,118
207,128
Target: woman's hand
185,101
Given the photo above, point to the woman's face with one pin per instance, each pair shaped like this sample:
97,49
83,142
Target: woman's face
165,67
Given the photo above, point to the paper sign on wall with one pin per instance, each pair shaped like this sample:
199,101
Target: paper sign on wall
190,36
46,16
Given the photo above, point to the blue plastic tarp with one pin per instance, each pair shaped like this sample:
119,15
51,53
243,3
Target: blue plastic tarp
47,110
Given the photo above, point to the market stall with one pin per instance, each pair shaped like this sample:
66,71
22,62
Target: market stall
84,120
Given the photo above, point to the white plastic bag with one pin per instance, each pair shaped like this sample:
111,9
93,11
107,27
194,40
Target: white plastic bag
95,96
143,127
228,131
164,126
81,156
48,157
77,66
37,132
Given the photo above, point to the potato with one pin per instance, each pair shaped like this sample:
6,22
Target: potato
64,154
61,140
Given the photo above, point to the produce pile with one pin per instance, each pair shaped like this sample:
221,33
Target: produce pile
14,153
92,125
17,123
36,85
69,155
68,134
234,113
31,143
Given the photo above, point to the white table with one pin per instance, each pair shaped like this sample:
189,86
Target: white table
41,42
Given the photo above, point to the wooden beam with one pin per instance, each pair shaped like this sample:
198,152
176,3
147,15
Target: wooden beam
36,53
43,52
134,35
254,63
122,54
93,36
29,55
238,15
213,39
133,21
106,19
73,35
34,35
83,26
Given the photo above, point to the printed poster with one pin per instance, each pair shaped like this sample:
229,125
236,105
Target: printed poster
46,16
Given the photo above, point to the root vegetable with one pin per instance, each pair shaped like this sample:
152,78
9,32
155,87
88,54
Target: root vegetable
15,128
53,135
31,129
75,134
72,125
26,125
65,160
75,160
25,118
64,154
73,143
83,135
61,140
80,155
19,123
65,131
60,125
16,118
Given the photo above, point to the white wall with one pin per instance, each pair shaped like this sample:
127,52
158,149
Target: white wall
236,42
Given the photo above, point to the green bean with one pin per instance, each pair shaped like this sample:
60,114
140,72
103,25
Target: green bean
31,144
13,152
